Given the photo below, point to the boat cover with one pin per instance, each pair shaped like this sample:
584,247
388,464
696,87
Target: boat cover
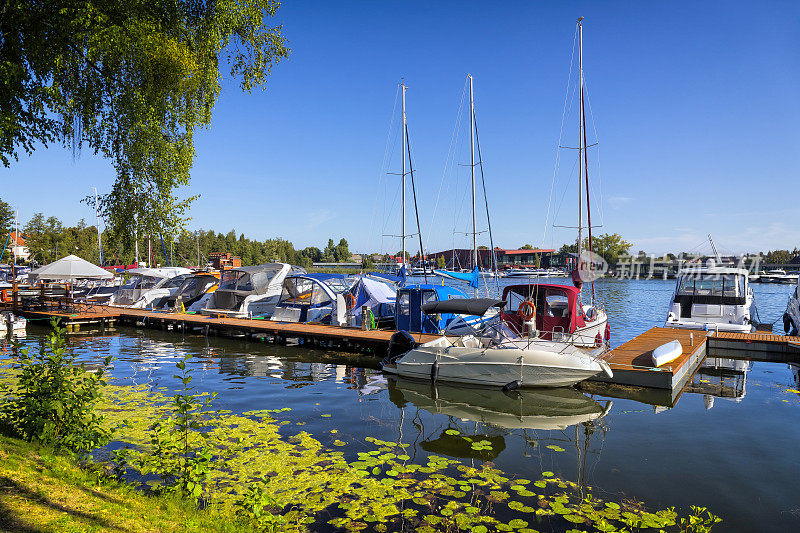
462,306
470,277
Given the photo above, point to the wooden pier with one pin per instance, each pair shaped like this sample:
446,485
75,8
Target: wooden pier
635,376
633,368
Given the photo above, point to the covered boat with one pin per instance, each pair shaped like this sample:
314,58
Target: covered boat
249,291
312,298
193,292
379,296
410,317
499,357
712,298
554,312
149,287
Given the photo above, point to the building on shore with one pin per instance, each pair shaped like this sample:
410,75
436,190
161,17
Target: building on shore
457,258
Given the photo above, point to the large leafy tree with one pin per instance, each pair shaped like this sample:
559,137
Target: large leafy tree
132,81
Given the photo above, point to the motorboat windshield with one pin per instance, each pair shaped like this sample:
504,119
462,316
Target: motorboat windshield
712,287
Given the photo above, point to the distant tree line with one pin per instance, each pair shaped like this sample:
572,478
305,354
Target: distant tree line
48,239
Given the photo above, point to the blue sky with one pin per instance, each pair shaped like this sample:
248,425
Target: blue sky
695,106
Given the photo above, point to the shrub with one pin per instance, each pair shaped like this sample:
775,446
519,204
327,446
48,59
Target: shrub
52,400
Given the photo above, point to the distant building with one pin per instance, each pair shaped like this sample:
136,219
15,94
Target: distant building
223,260
356,258
18,247
506,258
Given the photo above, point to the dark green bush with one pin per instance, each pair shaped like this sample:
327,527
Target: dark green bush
51,400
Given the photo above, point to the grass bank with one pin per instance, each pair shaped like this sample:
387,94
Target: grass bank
43,492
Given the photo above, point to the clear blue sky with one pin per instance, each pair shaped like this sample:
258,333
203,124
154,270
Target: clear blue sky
695,105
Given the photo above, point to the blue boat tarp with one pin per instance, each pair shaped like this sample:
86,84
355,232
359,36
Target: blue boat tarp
408,308
470,277
378,295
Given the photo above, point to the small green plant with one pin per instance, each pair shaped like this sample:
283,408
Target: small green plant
700,521
52,400
255,506
180,455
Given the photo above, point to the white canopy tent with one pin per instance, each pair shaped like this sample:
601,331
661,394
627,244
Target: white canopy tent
70,268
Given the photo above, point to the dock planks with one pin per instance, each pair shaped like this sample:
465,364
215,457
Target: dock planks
632,362
755,346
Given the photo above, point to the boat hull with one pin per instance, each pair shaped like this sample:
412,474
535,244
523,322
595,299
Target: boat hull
533,367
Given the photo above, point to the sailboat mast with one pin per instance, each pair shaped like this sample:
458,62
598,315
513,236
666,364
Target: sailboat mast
403,178
472,171
580,145
586,165
97,217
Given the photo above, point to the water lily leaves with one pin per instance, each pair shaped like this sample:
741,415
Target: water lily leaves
555,448
548,474
612,505
480,529
452,432
325,416
574,518
540,484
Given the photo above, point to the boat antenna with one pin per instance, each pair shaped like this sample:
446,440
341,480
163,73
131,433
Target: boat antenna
714,249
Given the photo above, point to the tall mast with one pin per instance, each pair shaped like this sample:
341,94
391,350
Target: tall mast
472,171
403,178
97,217
580,144
198,248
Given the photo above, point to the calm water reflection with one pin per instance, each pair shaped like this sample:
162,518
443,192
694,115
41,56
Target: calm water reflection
731,442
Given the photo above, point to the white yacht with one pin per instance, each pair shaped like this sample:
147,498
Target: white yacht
500,358
249,291
779,276
149,287
791,318
713,298
11,323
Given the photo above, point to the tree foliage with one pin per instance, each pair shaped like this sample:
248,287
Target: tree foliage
132,81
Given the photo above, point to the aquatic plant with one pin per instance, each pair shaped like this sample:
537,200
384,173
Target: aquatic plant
178,453
51,400
294,481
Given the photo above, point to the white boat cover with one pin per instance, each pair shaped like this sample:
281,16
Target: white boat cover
70,268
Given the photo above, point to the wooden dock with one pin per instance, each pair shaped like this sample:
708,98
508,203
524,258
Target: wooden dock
354,339
632,365
635,377
755,347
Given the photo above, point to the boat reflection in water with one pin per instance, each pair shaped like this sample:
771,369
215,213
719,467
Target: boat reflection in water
497,411
720,378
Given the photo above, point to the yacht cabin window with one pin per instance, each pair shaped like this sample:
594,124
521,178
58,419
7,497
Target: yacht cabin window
404,303
711,285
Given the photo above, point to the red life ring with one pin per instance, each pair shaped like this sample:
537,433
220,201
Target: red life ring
350,300
526,310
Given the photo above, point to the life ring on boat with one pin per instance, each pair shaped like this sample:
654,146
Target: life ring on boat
4,297
526,310
350,300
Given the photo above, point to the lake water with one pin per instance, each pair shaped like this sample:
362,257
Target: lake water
739,456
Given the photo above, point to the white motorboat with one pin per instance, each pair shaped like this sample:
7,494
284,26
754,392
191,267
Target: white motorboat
712,298
791,318
194,291
249,291
11,323
149,287
501,358
779,276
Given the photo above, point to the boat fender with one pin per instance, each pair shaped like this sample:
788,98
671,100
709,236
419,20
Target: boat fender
608,331
435,371
598,340
787,323
511,386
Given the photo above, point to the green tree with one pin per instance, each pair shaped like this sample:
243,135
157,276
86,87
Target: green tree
440,262
132,81
610,246
526,247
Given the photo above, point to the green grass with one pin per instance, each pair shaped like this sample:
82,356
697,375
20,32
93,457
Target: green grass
42,492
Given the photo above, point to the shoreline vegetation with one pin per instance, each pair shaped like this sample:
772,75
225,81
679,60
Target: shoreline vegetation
172,462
